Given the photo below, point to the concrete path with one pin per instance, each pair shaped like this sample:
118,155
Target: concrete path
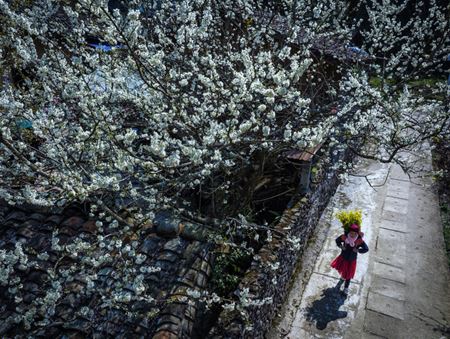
401,287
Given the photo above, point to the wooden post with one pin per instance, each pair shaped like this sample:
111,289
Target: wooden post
305,177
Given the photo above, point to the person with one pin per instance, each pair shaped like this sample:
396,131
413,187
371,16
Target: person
351,243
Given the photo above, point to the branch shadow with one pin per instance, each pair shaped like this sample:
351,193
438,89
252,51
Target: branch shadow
326,309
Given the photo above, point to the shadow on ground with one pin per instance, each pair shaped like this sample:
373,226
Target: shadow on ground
326,309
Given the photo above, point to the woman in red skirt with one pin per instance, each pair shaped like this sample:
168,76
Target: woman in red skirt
351,244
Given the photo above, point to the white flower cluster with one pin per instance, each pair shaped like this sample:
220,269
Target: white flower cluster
8,259
246,299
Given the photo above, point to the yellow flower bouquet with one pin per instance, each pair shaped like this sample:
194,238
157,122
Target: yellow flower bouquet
348,218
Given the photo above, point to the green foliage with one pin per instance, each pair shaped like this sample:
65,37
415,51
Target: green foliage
425,82
377,82
445,215
228,270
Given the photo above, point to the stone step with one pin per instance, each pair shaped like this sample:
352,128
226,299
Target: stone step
383,304
389,272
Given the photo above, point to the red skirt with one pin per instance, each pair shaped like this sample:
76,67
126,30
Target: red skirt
345,268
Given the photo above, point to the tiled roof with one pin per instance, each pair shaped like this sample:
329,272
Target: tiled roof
178,264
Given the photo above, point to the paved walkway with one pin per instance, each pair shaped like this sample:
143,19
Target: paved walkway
401,288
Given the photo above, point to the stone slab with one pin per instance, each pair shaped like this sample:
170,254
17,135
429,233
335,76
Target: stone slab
386,305
397,173
398,261
391,247
395,205
425,241
389,272
393,238
398,189
381,325
394,225
393,216
388,288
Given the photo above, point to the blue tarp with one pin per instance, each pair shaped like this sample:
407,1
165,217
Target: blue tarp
106,47
24,124
358,52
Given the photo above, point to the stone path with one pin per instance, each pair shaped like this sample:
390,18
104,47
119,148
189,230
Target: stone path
401,288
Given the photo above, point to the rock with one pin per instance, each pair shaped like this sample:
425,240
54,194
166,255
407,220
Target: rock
73,222
152,278
40,242
68,231
69,300
166,225
168,256
25,232
46,227
37,216
74,335
54,219
64,312
75,287
139,306
5,327
89,226
150,245
105,271
29,298
111,329
175,245
79,325
192,231
16,216
31,287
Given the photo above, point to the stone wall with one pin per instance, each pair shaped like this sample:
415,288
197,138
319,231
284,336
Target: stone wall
266,282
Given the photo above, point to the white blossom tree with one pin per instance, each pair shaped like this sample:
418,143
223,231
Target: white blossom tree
197,95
